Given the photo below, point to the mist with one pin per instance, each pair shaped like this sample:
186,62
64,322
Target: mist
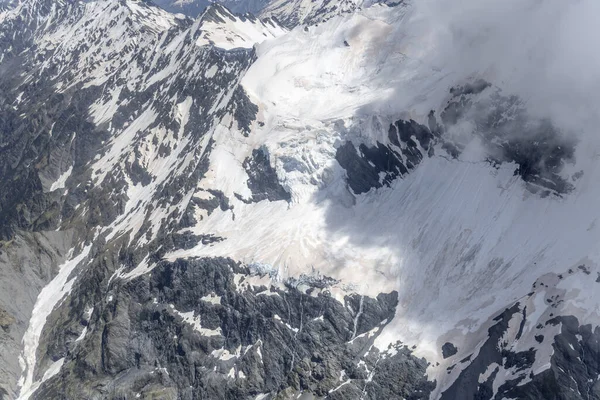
543,51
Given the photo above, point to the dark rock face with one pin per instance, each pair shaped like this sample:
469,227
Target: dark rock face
511,135
572,373
374,167
466,386
574,366
448,350
245,111
362,176
262,178
507,133
161,333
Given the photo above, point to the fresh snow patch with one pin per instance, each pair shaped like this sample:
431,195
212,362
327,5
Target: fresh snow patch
61,181
48,298
53,369
82,334
194,320
211,298
225,355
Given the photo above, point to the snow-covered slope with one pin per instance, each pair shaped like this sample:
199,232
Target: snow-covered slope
232,209
459,239
224,30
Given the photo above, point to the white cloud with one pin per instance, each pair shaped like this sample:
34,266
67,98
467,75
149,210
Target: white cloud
544,51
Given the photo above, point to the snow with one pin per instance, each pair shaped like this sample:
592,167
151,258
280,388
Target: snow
104,111
250,282
212,299
194,320
278,318
367,334
340,386
60,182
231,373
458,239
48,298
312,75
488,372
87,315
96,64
82,334
141,269
211,72
235,32
161,168
152,17
53,369
120,144
225,355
